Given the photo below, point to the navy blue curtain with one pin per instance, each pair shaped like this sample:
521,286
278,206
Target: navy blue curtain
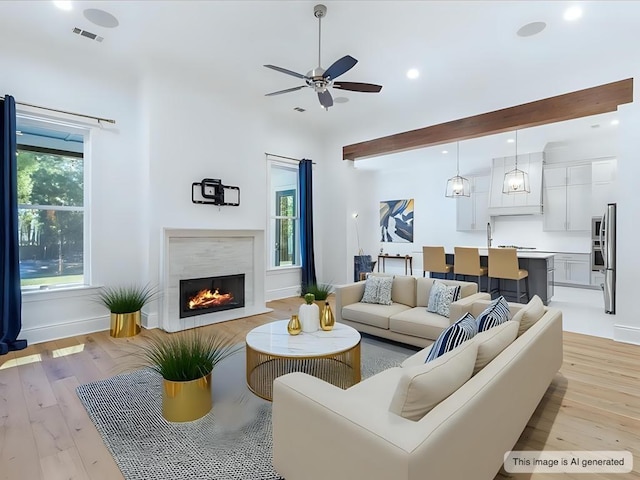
10,295
306,224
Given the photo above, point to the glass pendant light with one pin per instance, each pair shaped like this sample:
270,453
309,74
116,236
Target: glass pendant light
458,186
516,181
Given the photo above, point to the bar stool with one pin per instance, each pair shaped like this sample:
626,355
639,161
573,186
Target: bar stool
467,262
503,264
434,261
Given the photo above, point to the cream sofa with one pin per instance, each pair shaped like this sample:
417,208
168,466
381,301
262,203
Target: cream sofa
407,319
321,431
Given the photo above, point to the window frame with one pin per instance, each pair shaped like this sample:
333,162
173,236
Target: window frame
61,126
272,217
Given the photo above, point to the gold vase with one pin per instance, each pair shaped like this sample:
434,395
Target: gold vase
125,324
327,320
186,401
294,327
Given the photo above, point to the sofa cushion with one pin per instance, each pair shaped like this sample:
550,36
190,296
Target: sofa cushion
494,314
417,322
456,334
493,341
404,290
372,314
529,314
424,284
422,387
378,389
441,297
417,358
377,290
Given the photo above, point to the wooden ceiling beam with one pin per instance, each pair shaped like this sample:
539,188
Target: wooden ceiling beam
582,103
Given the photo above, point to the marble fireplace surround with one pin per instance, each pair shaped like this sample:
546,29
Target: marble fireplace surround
197,253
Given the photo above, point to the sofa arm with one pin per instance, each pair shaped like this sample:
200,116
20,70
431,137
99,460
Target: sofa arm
314,420
346,295
463,306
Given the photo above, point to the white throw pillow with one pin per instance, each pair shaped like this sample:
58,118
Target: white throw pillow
441,296
378,290
422,387
529,314
493,341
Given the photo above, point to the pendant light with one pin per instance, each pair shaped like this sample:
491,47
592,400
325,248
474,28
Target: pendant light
458,186
516,181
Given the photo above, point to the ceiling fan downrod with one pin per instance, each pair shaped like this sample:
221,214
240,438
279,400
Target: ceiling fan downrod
319,11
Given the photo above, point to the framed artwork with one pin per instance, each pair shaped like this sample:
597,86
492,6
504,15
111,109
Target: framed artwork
396,221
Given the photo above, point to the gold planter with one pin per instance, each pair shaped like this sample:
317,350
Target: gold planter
125,324
186,401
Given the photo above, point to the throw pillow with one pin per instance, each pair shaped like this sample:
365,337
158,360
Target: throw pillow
529,314
493,341
422,387
378,290
494,314
441,296
455,334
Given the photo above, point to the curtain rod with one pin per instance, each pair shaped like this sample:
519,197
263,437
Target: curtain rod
286,158
99,119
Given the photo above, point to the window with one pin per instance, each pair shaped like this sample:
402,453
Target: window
51,204
284,235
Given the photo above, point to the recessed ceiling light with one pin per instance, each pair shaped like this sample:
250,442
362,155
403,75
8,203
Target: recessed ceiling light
101,18
572,13
340,100
510,140
597,125
63,4
445,151
615,122
531,29
413,73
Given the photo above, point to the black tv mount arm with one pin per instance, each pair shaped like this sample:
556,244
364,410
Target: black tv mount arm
211,191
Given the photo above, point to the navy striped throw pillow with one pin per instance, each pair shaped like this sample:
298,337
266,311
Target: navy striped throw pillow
454,335
494,315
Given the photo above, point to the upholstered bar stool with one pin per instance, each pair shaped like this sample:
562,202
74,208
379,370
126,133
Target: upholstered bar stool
503,264
434,261
467,262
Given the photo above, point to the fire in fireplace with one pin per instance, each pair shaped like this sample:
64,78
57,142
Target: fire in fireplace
211,294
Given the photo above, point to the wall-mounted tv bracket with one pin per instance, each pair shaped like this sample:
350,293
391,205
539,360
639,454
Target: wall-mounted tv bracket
211,191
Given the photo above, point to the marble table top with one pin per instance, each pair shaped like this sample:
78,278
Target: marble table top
273,339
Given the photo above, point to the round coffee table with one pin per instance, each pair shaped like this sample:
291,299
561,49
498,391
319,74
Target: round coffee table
333,356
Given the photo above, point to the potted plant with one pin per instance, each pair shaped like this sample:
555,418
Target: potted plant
321,292
125,304
186,361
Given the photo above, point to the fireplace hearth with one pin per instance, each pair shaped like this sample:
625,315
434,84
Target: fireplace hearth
211,294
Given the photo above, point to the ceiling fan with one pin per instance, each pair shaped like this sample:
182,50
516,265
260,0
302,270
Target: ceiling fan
320,79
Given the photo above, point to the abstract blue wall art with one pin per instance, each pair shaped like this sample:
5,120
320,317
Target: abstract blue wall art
396,221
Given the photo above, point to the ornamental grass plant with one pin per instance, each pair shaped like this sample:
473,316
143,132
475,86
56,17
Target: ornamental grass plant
126,299
320,291
186,356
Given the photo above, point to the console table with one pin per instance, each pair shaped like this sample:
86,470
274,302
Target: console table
408,262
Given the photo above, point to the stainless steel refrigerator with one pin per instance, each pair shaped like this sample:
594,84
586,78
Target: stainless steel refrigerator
608,245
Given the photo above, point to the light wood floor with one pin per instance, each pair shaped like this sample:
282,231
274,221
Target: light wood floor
45,433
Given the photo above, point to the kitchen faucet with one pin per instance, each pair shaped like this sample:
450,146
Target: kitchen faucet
489,239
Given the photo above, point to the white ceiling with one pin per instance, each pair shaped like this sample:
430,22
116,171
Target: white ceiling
470,58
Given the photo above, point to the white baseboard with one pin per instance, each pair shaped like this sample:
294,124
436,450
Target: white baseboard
280,293
150,320
47,333
626,334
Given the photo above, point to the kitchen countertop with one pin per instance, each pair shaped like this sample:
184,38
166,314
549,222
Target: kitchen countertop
521,253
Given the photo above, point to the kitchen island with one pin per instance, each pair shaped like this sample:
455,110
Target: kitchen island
540,266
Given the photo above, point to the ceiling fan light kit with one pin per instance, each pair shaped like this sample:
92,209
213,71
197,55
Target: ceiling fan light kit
320,79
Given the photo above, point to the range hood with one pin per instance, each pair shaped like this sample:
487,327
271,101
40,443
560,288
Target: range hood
518,203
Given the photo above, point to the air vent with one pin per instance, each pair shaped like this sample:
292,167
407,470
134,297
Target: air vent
299,109
86,34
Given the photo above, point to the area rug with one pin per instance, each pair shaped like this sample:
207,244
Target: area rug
232,442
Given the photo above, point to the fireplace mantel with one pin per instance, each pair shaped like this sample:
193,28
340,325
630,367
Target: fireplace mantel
193,253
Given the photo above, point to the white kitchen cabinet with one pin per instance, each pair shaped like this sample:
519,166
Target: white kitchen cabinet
566,196
572,269
519,203
603,188
472,212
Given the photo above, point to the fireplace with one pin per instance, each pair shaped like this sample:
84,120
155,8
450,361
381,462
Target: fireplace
211,294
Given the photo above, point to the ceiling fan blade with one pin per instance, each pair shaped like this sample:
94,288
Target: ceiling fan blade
326,100
279,92
284,70
340,66
358,87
